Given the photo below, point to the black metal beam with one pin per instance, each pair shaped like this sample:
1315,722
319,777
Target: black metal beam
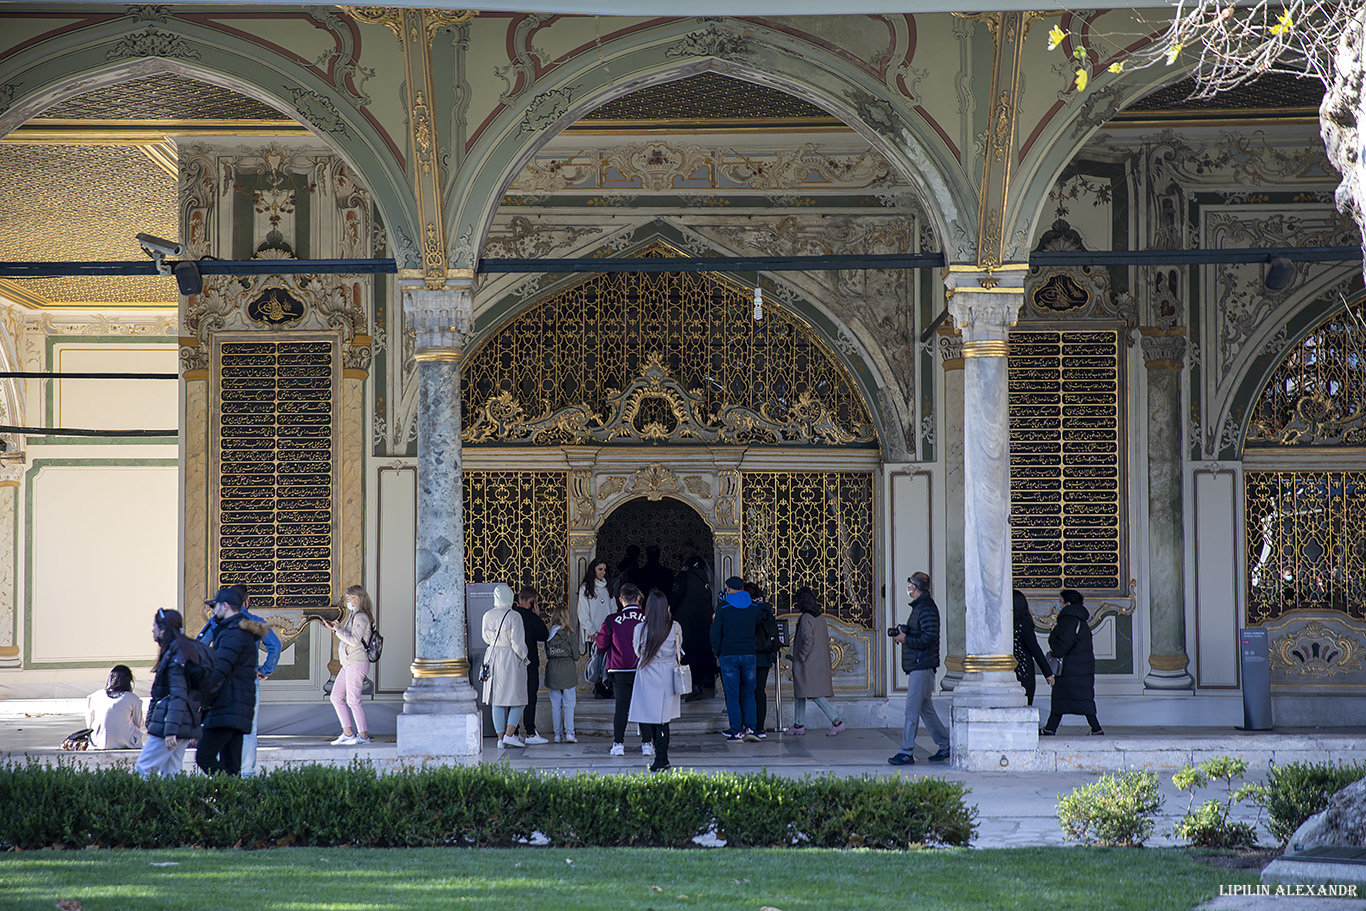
694,263
49,375
80,432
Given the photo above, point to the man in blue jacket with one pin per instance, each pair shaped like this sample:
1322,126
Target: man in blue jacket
733,641
271,643
235,640
919,641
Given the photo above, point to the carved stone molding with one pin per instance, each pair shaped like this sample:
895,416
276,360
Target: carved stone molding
1317,648
442,317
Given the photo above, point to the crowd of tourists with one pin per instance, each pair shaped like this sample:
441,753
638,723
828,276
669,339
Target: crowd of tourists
650,649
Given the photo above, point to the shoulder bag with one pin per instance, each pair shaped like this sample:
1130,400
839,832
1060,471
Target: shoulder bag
682,675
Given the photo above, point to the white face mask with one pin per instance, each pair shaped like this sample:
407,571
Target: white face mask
352,603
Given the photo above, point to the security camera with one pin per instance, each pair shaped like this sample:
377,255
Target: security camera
156,245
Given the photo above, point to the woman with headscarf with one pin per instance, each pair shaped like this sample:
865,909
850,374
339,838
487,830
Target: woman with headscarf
506,657
1074,687
811,671
1026,646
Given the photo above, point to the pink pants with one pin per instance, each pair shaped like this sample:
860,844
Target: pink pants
346,692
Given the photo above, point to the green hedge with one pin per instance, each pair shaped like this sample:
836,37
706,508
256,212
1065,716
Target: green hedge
485,806
1299,790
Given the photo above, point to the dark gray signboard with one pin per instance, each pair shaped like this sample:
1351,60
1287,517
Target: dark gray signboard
1256,666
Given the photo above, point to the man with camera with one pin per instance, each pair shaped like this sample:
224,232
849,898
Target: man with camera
919,641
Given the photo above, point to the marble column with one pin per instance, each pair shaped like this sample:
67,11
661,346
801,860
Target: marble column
952,598
992,727
1163,352
441,716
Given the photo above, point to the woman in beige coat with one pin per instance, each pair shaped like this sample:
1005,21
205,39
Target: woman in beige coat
506,657
654,703
811,673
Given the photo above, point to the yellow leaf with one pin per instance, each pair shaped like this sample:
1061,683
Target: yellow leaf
1284,25
1055,37
1082,78
1172,53
1117,67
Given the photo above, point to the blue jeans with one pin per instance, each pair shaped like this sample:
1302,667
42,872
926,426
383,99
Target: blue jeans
249,738
737,677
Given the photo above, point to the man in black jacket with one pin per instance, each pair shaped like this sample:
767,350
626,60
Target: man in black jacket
919,641
536,631
235,640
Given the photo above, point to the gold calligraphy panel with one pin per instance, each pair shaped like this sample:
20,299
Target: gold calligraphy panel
658,357
1065,459
517,530
816,529
275,414
1306,542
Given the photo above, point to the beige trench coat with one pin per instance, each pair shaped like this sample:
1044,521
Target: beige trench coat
506,656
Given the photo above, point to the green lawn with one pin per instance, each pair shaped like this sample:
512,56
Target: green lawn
544,879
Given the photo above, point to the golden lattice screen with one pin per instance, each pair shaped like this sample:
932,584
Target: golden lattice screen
516,531
1065,460
815,529
1306,542
556,373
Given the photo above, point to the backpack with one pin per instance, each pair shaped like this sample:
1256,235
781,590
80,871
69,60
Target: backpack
374,646
767,637
203,675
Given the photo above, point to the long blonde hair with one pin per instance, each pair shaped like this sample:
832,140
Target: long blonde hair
560,616
363,603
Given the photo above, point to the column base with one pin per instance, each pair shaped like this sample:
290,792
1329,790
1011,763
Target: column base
1169,681
994,739
953,673
441,719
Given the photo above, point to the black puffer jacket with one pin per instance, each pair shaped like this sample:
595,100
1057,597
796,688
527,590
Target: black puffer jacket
234,642
175,701
920,651
1074,690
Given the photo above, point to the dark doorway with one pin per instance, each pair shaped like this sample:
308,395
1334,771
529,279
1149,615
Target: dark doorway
665,522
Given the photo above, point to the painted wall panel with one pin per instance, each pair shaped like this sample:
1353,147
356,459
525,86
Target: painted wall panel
102,539
395,595
1216,578
912,550
116,404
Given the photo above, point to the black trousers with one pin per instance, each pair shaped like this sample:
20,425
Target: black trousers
220,750
658,734
760,696
533,683
623,682
1055,717
1029,683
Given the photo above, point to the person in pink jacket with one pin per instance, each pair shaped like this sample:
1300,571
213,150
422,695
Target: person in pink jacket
617,639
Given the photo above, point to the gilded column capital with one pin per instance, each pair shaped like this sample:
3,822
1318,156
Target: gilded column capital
950,348
12,466
442,318
1163,352
984,302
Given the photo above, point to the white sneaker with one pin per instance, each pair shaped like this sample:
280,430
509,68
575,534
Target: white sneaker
570,738
358,740
559,738
536,739
647,749
618,749
512,740
344,740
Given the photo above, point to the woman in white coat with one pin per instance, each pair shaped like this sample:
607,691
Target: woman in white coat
506,657
658,641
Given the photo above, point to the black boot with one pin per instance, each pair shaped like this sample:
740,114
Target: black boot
661,749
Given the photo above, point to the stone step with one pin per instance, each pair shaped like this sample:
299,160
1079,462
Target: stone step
594,716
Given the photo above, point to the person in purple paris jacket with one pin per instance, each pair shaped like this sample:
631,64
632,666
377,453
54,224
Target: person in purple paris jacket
617,638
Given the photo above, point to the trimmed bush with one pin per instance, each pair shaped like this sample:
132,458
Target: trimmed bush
1116,810
486,806
1299,790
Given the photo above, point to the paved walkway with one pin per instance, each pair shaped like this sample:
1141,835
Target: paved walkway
1015,809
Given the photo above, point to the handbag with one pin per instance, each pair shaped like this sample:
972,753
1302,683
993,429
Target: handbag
682,676
1054,665
78,740
595,671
